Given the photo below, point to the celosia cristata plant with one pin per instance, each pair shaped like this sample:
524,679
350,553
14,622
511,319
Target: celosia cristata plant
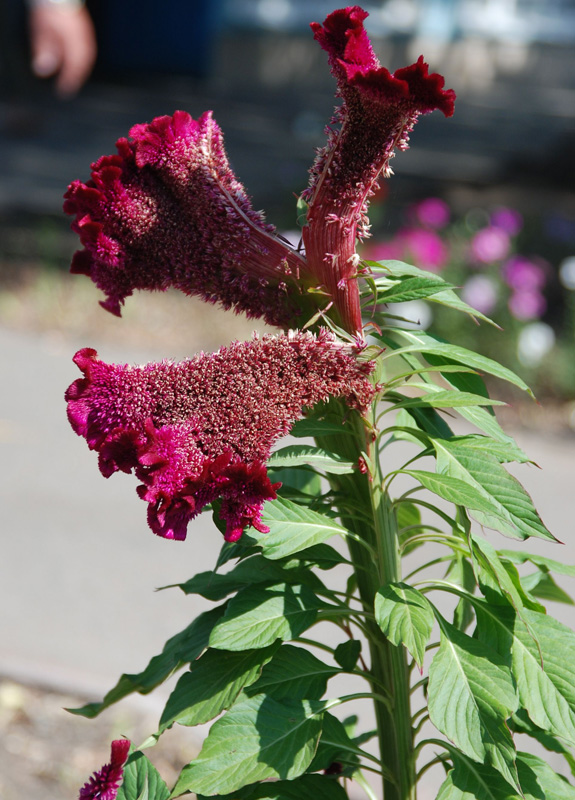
168,211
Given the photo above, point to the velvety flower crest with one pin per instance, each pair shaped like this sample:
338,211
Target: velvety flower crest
167,211
379,110
104,784
203,429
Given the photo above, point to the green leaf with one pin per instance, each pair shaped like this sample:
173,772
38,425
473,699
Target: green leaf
447,298
406,617
497,577
544,670
426,344
539,781
253,570
408,515
520,557
297,454
452,489
307,787
322,556
141,780
513,512
542,585
482,418
471,781
213,685
503,451
294,674
259,615
520,723
335,745
447,399
293,528
311,426
471,694
258,738
347,653
300,481
461,572
181,649
405,289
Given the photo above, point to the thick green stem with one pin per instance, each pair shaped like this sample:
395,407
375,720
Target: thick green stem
388,663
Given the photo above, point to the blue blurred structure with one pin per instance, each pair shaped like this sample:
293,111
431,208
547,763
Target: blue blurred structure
551,21
158,35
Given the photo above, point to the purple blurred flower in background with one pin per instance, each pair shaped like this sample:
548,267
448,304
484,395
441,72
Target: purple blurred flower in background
508,220
527,304
523,275
480,292
432,212
490,244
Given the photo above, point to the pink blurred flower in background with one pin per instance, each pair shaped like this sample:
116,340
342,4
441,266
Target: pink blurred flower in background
526,305
425,247
490,244
524,275
431,212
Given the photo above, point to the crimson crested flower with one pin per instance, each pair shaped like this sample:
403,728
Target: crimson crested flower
104,784
203,429
167,211
378,112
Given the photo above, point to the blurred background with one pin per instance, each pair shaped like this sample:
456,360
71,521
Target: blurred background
486,198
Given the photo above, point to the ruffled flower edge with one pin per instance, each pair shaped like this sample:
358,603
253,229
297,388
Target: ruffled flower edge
168,211
180,470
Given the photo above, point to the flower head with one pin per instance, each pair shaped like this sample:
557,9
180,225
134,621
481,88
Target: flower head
433,212
104,784
378,112
490,244
167,211
203,429
523,275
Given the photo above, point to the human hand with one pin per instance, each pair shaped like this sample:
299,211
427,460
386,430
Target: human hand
63,43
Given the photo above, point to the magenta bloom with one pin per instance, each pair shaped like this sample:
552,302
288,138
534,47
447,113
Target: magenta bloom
490,244
426,248
432,212
379,110
527,304
167,211
104,784
523,275
204,428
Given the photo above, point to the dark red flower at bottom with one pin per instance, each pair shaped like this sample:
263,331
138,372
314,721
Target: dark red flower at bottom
104,784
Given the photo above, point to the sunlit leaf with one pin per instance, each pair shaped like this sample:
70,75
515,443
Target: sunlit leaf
405,616
258,738
470,694
213,684
259,615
